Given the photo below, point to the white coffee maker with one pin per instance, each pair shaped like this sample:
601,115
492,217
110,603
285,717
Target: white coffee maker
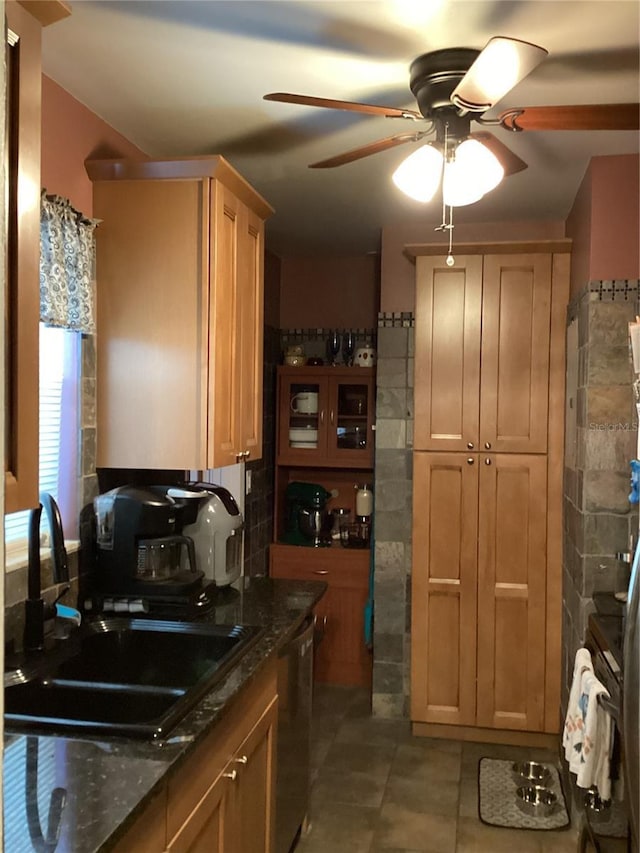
217,533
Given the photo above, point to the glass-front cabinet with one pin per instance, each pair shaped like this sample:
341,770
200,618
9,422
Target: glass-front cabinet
326,416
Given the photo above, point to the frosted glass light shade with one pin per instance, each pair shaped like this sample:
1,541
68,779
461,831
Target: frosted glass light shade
419,175
474,172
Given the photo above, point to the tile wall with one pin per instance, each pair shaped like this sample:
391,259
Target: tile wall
393,502
601,439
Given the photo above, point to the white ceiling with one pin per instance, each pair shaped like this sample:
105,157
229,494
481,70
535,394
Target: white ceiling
181,78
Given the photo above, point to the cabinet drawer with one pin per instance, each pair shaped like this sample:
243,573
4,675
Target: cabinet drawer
338,567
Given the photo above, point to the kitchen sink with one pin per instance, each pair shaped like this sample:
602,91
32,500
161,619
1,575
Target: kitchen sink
133,677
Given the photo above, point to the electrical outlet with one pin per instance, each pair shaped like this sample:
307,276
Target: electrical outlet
247,482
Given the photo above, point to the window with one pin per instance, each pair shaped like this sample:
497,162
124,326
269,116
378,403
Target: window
59,427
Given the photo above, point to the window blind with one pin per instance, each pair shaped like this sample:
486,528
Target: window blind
52,348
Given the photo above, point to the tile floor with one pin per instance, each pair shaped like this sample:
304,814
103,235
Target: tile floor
377,788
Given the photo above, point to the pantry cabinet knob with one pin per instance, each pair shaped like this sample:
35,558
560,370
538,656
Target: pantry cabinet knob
487,445
241,760
469,445
470,460
487,461
231,775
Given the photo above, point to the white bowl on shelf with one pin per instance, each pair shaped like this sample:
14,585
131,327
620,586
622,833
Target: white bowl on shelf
303,434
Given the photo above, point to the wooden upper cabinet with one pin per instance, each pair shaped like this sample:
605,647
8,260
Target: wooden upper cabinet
482,353
180,313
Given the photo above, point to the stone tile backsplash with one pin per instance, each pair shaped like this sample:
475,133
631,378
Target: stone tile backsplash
598,519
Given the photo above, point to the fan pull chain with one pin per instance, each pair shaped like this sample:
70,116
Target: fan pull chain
444,225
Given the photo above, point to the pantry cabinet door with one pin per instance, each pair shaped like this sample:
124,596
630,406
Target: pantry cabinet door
443,599
516,322
512,591
447,353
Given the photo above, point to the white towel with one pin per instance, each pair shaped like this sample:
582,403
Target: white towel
574,721
595,755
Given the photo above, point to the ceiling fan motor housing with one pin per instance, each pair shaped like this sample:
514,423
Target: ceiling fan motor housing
434,76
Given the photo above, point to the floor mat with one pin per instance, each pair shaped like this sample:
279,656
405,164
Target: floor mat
497,804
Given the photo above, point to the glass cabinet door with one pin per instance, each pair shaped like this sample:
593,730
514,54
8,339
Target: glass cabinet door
352,407
304,408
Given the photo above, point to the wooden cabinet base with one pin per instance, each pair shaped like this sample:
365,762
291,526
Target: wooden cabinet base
341,656
473,733
222,799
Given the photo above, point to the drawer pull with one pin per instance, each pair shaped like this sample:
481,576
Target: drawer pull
242,760
231,775
321,571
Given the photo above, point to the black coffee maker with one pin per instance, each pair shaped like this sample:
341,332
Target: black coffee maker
140,549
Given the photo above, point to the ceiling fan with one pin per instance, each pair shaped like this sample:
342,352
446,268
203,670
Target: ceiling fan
454,87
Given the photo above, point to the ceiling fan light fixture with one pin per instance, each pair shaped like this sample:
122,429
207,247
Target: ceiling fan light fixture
500,66
473,172
418,176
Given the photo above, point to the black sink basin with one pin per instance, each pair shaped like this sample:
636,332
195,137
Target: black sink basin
134,677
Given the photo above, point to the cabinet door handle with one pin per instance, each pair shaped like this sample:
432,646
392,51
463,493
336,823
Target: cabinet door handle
470,460
331,417
241,760
487,461
322,416
321,571
231,775
469,445
487,445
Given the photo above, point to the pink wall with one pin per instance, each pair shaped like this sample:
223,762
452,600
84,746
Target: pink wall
615,216
72,134
397,290
322,292
579,230
604,222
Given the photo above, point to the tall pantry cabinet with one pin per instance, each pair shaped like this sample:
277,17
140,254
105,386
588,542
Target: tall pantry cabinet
180,313
488,434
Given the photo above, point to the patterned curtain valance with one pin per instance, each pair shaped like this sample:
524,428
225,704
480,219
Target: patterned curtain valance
67,263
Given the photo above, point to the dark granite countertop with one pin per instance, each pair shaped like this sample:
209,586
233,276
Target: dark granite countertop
109,781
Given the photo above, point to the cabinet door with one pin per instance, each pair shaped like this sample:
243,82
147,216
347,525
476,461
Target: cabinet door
22,300
341,657
250,289
254,788
152,323
350,414
516,318
209,828
512,591
447,353
223,330
445,528
302,417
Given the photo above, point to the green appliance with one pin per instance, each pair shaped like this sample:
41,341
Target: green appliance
307,521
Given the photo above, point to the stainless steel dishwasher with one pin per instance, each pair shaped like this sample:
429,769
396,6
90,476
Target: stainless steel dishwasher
295,690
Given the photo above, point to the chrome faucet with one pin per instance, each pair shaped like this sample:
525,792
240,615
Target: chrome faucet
36,611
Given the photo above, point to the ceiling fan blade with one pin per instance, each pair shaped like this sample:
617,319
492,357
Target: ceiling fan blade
574,117
509,161
352,106
366,150
500,66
